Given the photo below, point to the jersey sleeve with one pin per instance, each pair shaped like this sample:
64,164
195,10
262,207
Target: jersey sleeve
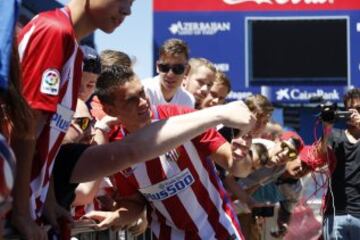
208,141
122,185
47,51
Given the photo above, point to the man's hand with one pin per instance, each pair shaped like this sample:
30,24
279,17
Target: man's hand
107,122
354,118
107,219
27,228
280,232
238,115
53,212
140,226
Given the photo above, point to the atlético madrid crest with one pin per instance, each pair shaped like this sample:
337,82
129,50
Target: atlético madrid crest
172,155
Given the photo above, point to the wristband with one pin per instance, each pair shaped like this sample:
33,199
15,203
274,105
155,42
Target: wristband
102,126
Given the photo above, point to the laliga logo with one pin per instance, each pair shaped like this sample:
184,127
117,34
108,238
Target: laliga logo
296,94
280,2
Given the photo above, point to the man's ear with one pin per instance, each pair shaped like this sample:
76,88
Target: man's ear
157,68
108,109
187,70
185,81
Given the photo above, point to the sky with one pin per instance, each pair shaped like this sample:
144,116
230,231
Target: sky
133,37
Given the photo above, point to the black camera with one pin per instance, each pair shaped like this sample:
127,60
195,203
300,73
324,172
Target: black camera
330,113
266,211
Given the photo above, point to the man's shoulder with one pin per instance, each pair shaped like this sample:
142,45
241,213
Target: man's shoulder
50,24
338,134
184,97
150,82
168,110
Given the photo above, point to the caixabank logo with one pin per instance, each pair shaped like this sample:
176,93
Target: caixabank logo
287,94
181,28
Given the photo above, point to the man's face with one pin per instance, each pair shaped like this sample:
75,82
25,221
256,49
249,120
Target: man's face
261,120
171,70
107,15
295,169
240,146
353,105
199,83
130,105
279,155
216,96
87,87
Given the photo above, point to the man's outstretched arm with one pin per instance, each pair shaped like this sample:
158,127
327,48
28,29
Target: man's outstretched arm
158,138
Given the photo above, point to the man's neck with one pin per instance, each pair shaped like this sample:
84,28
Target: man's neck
80,21
132,128
353,134
168,95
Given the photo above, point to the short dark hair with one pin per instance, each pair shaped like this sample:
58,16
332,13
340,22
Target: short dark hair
174,46
110,78
351,95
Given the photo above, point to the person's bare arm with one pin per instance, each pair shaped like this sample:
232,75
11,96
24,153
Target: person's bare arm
24,148
86,192
323,143
238,166
156,139
53,212
235,188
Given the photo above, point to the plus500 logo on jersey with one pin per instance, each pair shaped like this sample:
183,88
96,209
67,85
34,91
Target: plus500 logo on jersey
169,187
62,118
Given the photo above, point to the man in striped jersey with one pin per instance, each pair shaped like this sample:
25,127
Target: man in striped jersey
186,197
52,64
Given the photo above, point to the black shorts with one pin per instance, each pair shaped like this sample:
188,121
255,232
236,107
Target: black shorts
65,162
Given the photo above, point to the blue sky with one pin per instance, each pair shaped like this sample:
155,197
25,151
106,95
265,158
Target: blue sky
133,37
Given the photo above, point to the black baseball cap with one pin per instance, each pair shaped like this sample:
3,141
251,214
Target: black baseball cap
91,60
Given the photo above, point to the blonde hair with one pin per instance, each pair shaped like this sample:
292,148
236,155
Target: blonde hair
259,103
112,57
195,63
222,79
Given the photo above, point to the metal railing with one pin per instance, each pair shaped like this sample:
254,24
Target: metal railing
83,232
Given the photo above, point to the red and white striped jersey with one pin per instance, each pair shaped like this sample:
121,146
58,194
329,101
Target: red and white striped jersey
187,198
52,64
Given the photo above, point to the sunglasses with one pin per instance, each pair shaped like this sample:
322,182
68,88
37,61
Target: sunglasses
292,153
176,68
83,122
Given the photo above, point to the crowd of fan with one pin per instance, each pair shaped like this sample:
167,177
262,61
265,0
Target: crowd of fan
84,127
